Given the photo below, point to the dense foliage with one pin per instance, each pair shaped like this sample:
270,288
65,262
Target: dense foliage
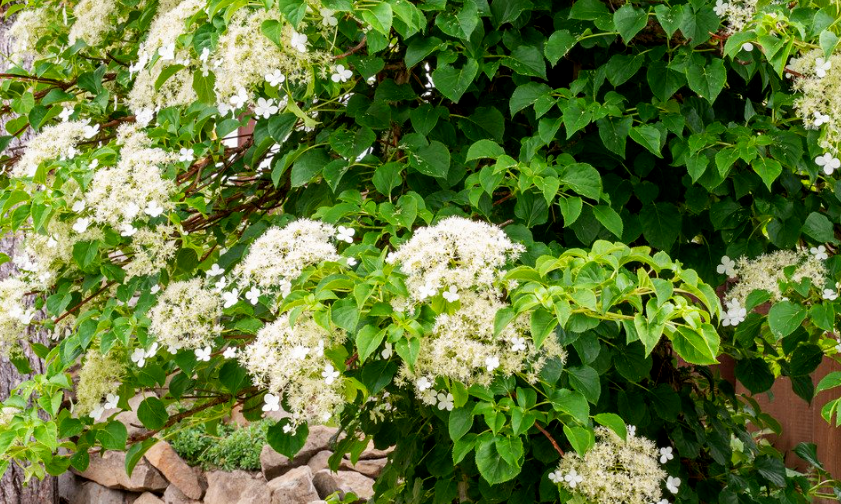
497,235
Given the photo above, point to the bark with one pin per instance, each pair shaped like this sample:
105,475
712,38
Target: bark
12,489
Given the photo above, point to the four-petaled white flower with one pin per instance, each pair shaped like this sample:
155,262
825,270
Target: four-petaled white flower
300,352
518,344
131,210
81,225
230,298
111,401
351,261
830,294
153,209
445,402
747,46
97,412
271,402
821,67
253,295
342,74
426,291
275,78
573,478
239,99
79,206
345,234
829,163
423,383
144,116
265,108
127,230
428,397
451,295
727,266
329,374
492,362
65,114
672,484
298,41
138,356
167,52
90,131
224,109
288,429
185,155
328,17
230,353
388,350
721,7
821,119
666,454
203,354
632,430
155,289
819,252
663,501
215,270
734,315
220,284
556,476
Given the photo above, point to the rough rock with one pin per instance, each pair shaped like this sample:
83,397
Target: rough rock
373,453
359,484
109,470
175,496
148,498
370,467
94,493
294,487
274,464
237,487
325,484
163,457
319,461
69,486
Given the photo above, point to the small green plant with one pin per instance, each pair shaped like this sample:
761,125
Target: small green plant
229,448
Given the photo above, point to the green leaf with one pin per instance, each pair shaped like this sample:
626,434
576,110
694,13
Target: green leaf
452,82
165,74
614,131
387,177
580,438
570,209
588,10
543,322
809,453
526,60
203,86
525,96
629,21
502,318
697,347
614,422
660,224
819,227
572,403
583,179
432,160
492,463
784,317
669,19
586,380
648,334
558,46
136,452
379,16
85,253
621,67
368,340
609,219
772,469
152,413
307,166
419,48
768,170
113,436
484,149
829,381
828,41
706,78
287,444
461,421
293,11
233,376
663,81
648,136
696,25
345,314
754,374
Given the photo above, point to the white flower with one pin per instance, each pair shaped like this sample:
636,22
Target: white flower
51,243
288,429
153,209
351,261
342,74
829,162
155,289
253,295
220,284
205,53
230,353
428,397
90,131
830,294
298,41
328,17
838,346
666,454
721,7
727,266
140,64
819,252
265,108
239,99
821,67
139,357
275,78
65,114
672,484
345,234
153,350
79,206
492,362
388,351
271,402
215,270
97,412
573,478
735,313
127,230
451,295
230,298
329,374
423,383
556,476
632,430
131,210
426,291
185,155
81,225
144,116
821,119
300,352
518,344
663,501
203,354
747,46
319,350
111,401
224,109
167,52
445,402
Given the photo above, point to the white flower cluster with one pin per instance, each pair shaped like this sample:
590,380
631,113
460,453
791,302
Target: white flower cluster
99,377
186,315
54,142
14,315
290,361
767,271
819,106
152,248
614,471
279,256
29,26
735,14
53,250
456,252
94,19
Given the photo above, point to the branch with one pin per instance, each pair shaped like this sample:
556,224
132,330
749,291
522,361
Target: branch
550,438
355,48
82,302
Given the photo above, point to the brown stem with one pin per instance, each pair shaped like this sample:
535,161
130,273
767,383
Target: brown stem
353,49
83,302
550,438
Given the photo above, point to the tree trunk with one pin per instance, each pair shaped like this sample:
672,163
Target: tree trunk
12,489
